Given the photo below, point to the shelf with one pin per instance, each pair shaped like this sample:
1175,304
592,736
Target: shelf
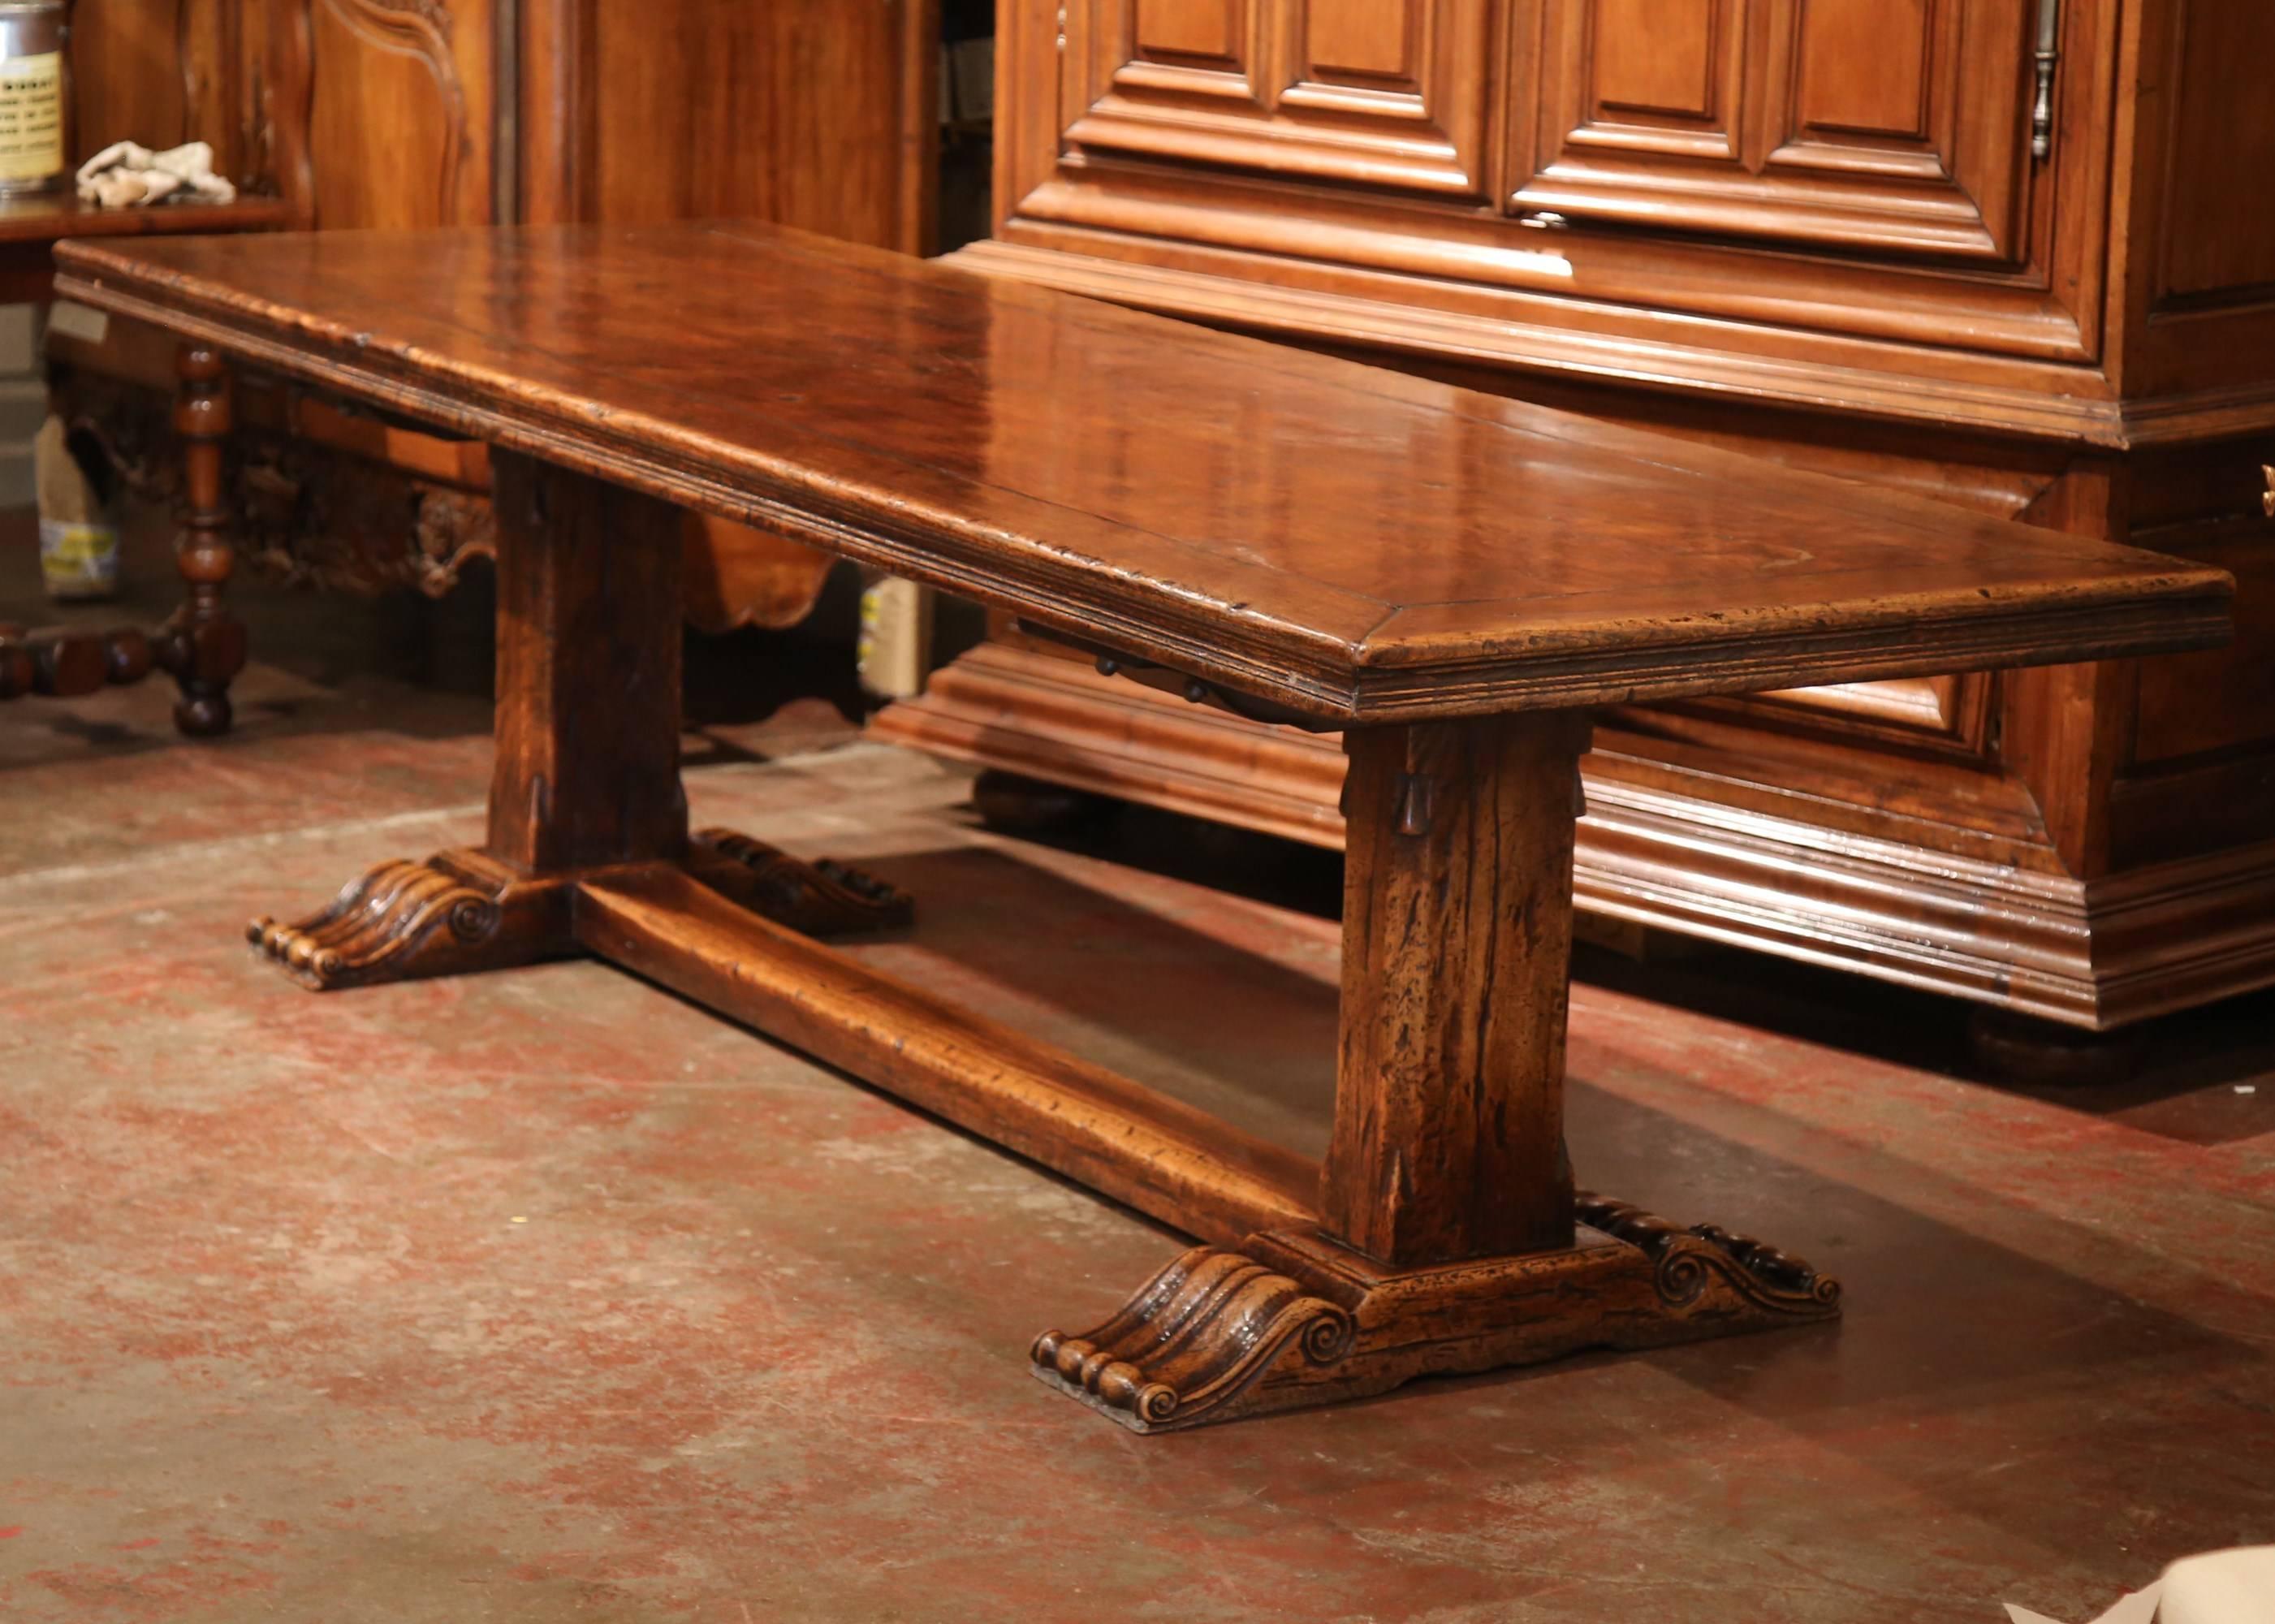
50,217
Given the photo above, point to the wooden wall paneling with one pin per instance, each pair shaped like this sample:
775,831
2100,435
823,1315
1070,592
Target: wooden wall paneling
1036,68
1621,303
788,112
1887,126
805,112
1373,93
2201,291
557,83
129,80
165,71
397,101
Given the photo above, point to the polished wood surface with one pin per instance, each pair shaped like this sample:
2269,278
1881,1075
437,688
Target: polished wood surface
1836,236
362,113
44,220
588,675
810,113
1559,561
895,412
1830,207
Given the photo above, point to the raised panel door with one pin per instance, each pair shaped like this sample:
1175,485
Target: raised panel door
1891,127
1393,94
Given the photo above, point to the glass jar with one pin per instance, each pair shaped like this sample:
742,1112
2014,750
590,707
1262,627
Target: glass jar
32,140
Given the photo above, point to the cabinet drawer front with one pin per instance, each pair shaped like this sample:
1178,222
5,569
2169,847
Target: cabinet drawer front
1378,93
1894,127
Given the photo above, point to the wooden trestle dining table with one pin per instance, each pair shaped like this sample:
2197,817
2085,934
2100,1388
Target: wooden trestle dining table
1451,580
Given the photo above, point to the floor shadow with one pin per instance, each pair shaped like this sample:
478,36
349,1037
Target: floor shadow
2184,1087
1190,1011
1972,1348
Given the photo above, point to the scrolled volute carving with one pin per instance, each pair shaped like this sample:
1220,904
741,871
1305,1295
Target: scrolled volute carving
1687,1261
1194,1340
401,918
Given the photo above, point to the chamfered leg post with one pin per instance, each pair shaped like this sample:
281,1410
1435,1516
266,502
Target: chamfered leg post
203,646
1448,1139
588,668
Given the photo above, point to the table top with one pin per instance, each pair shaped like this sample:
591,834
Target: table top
1348,541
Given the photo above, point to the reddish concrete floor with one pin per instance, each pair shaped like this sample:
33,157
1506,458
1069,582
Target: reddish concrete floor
544,1295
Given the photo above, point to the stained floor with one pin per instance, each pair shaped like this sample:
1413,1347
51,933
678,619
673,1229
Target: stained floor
543,1295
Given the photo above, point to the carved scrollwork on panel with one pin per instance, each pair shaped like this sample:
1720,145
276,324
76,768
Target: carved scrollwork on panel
130,430
422,29
315,517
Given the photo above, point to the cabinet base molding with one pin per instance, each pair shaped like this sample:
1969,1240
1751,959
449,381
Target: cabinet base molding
1292,1318
2097,954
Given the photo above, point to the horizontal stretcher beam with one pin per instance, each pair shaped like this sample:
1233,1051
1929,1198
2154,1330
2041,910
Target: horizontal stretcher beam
1165,1159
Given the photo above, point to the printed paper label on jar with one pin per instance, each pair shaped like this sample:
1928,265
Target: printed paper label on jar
32,117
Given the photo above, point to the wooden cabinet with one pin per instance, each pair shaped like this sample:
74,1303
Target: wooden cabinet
1883,127
1910,243
415,113
1364,93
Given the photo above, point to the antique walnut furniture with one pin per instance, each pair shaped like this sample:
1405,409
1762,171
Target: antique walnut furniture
199,649
1066,462
1996,252
392,113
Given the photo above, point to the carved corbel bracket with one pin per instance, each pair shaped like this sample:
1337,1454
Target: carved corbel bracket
1295,1317
1193,1343
815,899
452,914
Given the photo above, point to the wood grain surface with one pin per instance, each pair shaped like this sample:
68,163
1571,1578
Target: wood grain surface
1355,544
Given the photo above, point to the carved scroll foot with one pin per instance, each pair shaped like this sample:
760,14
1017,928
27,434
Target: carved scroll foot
452,914
1294,1318
815,899
1192,1346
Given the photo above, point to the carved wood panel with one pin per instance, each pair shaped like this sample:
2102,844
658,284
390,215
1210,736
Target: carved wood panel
1394,94
1890,126
2213,249
794,110
399,98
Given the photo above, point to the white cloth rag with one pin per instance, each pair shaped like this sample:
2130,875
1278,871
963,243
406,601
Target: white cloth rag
2220,1587
124,174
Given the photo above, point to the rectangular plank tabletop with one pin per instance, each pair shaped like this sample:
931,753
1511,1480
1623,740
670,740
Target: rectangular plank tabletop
1342,540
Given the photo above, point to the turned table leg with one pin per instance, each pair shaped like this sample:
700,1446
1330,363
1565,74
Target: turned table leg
1450,1237
586,780
203,645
